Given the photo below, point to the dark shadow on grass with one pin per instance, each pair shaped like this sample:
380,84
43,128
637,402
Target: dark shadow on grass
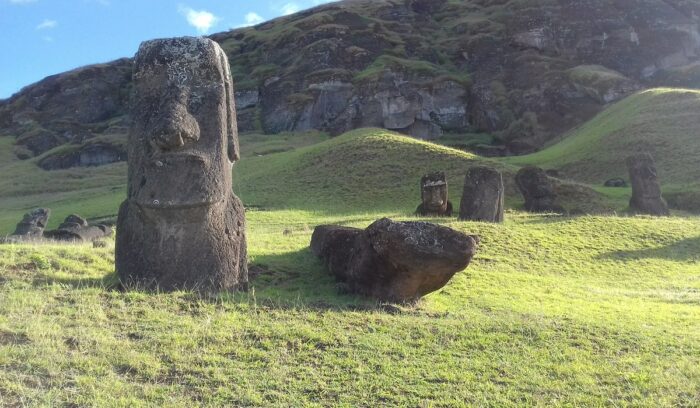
684,250
289,281
109,282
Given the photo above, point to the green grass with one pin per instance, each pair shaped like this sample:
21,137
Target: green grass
661,121
586,311
590,311
362,170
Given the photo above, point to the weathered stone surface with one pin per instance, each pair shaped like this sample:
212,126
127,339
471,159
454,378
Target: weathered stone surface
433,191
483,195
534,72
32,224
90,155
181,225
538,190
393,261
615,182
76,228
646,191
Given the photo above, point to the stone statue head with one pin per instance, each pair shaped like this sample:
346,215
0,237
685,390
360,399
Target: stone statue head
645,181
184,137
434,192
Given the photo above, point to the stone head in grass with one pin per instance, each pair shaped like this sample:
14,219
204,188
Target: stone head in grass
181,226
433,193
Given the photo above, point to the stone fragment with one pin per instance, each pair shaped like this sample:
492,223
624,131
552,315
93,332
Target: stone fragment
393,261
434,196
615,182
32,224
646,191
75,228
181,226
538,190
483,195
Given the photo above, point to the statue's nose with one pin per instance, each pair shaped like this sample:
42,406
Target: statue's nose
174,128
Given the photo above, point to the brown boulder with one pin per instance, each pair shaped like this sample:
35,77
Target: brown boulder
483,195
393,261
646,191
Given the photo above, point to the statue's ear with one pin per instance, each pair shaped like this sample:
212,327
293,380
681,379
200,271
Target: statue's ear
234,152
232,126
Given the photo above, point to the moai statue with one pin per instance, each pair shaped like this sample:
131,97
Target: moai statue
433,191
483,195
646,192
538,190
181,226
32,225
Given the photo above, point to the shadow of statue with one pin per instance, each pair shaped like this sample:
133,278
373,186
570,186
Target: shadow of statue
685,250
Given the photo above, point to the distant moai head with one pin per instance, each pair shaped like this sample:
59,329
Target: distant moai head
33,223
646,190
434,192
184,136
643,176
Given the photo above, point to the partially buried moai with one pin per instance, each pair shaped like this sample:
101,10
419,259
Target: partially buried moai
538,189
433,193
181,226
483,195
646,192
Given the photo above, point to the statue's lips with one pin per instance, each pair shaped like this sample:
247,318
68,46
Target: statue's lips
179,180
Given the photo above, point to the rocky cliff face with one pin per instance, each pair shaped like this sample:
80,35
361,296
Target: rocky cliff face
519,70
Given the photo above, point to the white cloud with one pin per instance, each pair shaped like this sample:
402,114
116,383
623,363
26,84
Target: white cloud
253,18
47,24
202,20
289,8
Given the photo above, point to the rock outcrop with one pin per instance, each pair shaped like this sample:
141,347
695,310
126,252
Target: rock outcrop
393,261
646,191
538,189
434,196
483,195
522,71
181,226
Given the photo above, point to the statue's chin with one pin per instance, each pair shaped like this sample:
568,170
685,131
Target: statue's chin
179,181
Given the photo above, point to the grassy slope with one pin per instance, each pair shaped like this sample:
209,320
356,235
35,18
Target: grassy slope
571,311
662,121
588,311
362,170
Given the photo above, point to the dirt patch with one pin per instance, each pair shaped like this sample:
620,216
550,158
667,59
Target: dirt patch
8,338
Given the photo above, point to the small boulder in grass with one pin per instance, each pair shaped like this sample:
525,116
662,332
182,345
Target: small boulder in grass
393,261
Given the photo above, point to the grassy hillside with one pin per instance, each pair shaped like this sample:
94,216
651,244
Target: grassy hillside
662,121
589,311
360,171
585,311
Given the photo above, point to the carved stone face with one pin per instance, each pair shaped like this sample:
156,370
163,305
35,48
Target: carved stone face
183,138
434,192
645,182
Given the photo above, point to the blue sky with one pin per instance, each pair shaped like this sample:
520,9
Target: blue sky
44,37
